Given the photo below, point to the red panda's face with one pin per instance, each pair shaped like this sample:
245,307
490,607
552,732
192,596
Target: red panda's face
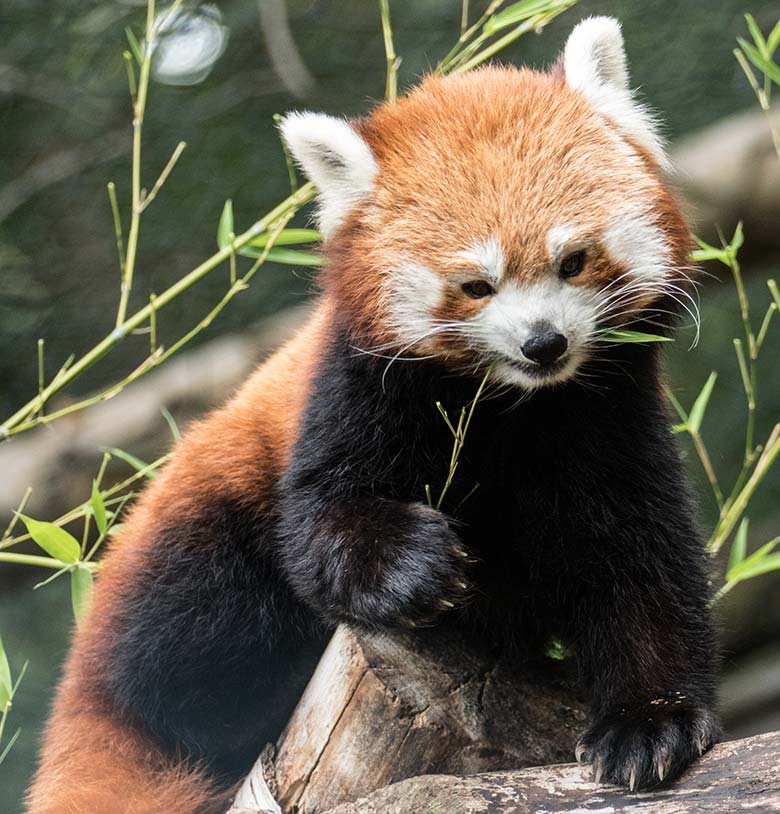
502,217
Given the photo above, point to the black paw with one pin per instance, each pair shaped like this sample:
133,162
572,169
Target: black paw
415,569
643,746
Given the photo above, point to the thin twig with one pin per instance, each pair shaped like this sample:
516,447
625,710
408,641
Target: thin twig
20,420
163,175
391,84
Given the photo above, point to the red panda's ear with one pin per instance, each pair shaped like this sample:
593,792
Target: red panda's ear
335,157
595,64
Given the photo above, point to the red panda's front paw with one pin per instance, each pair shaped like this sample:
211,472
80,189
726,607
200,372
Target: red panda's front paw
419,570
644,746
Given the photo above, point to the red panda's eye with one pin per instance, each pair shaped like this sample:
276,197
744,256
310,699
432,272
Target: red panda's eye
573,264
477,289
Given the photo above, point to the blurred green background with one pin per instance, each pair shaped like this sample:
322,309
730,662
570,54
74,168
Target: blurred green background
65,131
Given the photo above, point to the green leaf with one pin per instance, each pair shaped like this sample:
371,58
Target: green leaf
696,415
758,37
115,529
289,257
135,46
55,541
172,425
711,253
764,65
745,567
633,336
516,13
80,592
136,463
556,650
763,565
287,237
11,741
226,226
773,40
738,239
98,508
6,684
738,547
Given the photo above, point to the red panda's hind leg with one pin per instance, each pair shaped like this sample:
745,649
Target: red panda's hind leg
208,650
91,764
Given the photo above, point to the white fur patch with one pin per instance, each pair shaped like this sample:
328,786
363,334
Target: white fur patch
488,257
335,158
415,291
634,240
558,240
595,65
510,319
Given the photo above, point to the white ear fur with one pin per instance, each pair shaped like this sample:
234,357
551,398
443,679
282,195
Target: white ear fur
595,64
335,158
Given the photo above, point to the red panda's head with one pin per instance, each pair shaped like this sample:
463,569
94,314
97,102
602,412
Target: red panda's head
502,217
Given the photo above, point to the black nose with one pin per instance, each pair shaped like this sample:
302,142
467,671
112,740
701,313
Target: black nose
545,346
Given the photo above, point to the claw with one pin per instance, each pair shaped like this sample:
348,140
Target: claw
632,780
661,767
580,752
460,552
446,604
598,771
462,585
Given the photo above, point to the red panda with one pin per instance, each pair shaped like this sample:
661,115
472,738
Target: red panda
496,221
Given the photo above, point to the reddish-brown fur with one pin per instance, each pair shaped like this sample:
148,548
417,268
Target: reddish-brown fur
506,153
90,764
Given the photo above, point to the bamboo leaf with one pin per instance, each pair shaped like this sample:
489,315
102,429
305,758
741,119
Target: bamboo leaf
289,257
80,592
764,65
6,684
135,46
55,541
773,40
696,415
287,237
710,253
136,463
758,37
171,422
516,13
738,240
11,741
633,337
764,565
748,564
98,508
226,227
738,547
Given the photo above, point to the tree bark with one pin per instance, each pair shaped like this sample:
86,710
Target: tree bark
741,775
426,723
380,709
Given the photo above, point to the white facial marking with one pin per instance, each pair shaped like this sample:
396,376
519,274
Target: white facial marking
558,239
634,240
415,291
595,65
511,318
336,158
488,257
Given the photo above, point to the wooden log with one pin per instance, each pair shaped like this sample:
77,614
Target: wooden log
739,776
380,709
